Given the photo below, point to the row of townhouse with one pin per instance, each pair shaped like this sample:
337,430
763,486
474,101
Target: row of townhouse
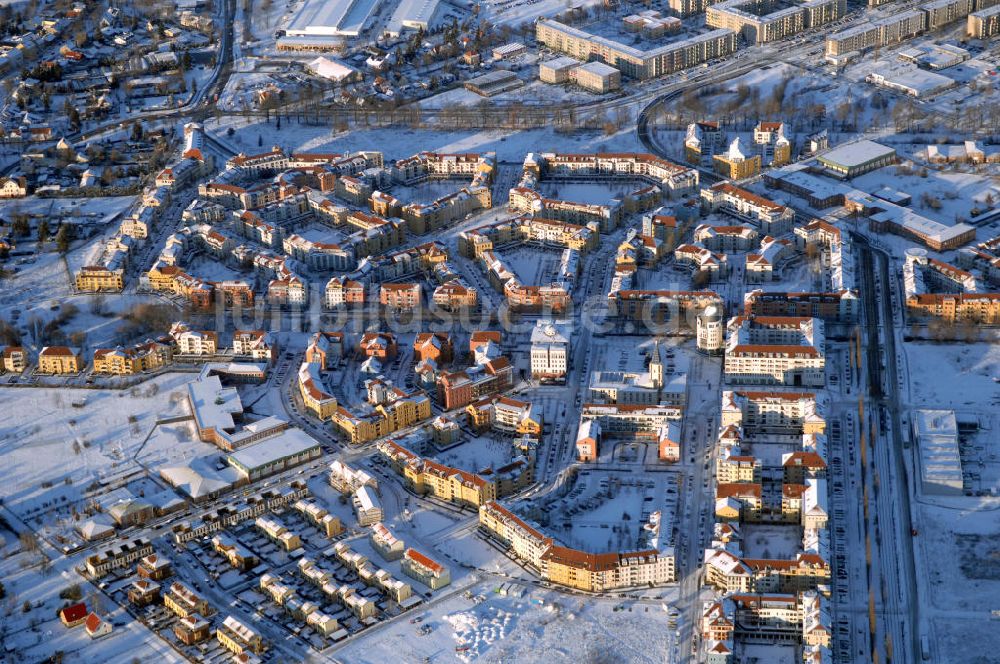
346,595
239,638
122,554
184,602
299,609
369,573
235,553
274,529
572,568
239,511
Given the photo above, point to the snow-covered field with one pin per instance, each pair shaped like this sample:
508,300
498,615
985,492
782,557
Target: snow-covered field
954,375
75,437
960,549
541,626
399,142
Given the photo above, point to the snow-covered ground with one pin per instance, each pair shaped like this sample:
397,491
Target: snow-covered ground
78,438
541,626
959,376
960,580
399,142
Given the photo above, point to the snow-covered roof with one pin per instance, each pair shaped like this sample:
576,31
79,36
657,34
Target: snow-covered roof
331,69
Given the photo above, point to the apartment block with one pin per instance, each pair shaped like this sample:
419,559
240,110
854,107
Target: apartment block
427,571
59,360
773,412
99,279
631,61
135,359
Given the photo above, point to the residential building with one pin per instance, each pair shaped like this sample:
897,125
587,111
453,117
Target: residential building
734,163
59,360
185,602
143,592
629,60
119,361
550,350
191,630
429,572
238,638
14,359
99,279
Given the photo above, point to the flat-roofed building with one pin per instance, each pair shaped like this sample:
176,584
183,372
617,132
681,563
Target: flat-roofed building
596,77
854,159
632,61
984,24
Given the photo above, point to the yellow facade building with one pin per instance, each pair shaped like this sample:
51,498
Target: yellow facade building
97,278
59,360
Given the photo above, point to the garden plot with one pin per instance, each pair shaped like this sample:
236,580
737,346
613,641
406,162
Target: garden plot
589,193
479,453
605,511
533,266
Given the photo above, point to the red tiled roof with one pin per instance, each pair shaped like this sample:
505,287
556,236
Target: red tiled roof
73,612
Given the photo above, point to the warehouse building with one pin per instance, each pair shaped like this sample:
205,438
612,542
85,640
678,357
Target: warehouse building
936,434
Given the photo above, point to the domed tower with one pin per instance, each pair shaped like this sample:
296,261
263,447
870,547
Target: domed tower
711,331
